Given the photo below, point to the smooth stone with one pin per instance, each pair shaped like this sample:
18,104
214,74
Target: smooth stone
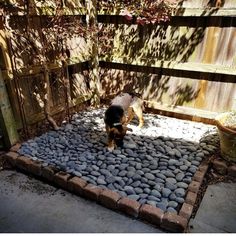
138,190
179,192
192,170
183,167
95,173
115,172
138,166
172,197
169,174
101,157
161,205
177,153
153,198
122,173
136,183
134,197
110,179
149,176
146,170
158,187
130,146
105,172
116,152
77,173
96,168
172,162
143,195
136,177
171,180
159,175
123,166
173,204
182,185
171,210
147,190
101,181
155,193
131,168
166,192
129,190
139,172
130,174
187,180
129,152
152,203
158,180
179,176
180,200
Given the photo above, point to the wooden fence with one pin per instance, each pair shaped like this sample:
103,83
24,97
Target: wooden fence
186,66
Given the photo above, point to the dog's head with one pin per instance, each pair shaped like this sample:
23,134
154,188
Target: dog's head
117,133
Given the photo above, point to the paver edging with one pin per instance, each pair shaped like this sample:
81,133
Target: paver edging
61,178
169,221
129,206
76,185
109,199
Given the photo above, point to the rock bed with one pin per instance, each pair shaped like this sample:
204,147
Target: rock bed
155,166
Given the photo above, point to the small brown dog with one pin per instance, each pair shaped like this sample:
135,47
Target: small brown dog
116,120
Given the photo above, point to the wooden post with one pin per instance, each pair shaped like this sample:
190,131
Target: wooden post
7,121
91,6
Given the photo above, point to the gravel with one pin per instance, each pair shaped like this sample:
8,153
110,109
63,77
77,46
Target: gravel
154,167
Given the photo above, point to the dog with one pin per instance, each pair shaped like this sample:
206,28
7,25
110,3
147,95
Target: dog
120,112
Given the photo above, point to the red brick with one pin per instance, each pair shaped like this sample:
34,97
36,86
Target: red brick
11,157
174,223
48,172
35,167
61,179
77,185
15,148
199,176
109,199
186,211
191,198
129,206
92,192
151,214
194,186
232,171
220,166
23,163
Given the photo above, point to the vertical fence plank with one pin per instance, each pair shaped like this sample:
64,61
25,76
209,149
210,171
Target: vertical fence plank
7,122
93,42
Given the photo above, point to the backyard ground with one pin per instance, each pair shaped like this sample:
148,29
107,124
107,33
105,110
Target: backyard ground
29,205
155,167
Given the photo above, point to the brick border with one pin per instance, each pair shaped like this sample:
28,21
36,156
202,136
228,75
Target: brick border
171,222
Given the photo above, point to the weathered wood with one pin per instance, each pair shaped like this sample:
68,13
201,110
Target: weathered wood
93,42
7,122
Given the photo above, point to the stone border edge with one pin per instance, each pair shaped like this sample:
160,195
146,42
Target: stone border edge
171,222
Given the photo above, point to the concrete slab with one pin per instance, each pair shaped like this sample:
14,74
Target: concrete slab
217,212
31,206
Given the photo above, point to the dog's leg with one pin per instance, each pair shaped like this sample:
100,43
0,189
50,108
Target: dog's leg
139,112
111,144
110,136
130,115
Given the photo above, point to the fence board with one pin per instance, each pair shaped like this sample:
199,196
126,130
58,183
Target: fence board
188,62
